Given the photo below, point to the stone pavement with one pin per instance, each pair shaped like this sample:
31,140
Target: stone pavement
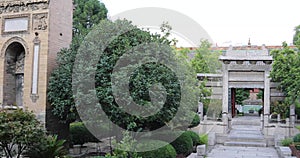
220,151
245,140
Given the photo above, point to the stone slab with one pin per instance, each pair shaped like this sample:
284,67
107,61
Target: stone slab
242,152
246,144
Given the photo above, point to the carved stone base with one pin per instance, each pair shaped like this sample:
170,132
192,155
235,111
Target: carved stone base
34,97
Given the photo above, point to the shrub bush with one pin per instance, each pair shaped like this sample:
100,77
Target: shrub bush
203,139
19,130
195,137
183,144
79,134
286,142
165,136
296,138
167,151
48,147
195,122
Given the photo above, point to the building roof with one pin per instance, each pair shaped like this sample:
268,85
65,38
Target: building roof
244,47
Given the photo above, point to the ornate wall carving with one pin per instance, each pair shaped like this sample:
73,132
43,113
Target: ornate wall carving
4,3
39,21
10,41
20,64
16,6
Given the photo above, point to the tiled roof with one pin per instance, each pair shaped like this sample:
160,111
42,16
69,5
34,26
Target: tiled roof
252,47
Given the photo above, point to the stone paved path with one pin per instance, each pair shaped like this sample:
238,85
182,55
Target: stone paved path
245,129
220,151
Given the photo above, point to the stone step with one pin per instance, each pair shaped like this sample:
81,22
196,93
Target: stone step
249,123
254,136
245,144
246,127
246,139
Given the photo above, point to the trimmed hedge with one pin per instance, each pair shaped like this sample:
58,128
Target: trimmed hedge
165,136
195,122
195,137
183,144
297,138
287,142
166,151
79,134
203,139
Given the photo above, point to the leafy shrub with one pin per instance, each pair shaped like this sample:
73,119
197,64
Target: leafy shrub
297,127
195,137
195,122
48,147
124,148
167,151
296,138
183,144
203,139
165,136
19,130
286,142
79,134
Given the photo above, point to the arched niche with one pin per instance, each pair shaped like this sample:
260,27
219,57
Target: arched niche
14,63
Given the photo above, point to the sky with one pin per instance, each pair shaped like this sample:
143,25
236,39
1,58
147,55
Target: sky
228,22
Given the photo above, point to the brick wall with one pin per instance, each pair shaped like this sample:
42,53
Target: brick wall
60,31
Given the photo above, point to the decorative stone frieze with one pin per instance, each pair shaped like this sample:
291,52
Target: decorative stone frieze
239,62
253,62
5,3
39,21
15,6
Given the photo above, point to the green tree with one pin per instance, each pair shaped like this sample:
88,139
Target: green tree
198,61
241,95
260,94
281,108
286,71
296,38
60,86
19,130
204,92
142,44
206,60
87,14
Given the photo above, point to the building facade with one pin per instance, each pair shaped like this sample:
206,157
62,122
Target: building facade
32,32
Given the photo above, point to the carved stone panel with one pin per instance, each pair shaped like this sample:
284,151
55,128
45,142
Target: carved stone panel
20,64
22,7
5,3
39,21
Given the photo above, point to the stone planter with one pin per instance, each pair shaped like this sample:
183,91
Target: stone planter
201,150
284,151
77,149
294,150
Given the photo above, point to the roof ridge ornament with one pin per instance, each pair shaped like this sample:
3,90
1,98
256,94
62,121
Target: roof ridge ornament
249,43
